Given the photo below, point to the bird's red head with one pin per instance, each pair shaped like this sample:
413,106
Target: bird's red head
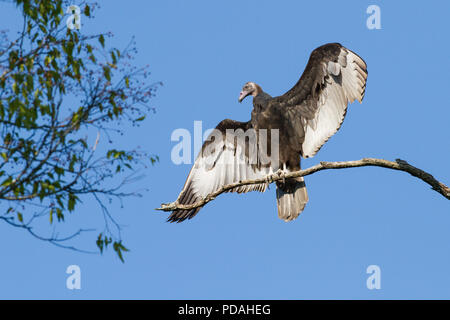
250,88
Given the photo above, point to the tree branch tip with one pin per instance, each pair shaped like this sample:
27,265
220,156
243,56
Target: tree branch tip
167,206
400,161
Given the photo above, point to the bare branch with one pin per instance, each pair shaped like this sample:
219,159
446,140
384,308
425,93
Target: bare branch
53,239
399,164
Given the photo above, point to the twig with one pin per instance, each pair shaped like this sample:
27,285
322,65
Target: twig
399,164
53,239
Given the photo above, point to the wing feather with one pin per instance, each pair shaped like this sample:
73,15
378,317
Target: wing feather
343,88
213,170
334,77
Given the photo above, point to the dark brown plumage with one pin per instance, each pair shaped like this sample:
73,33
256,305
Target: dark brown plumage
306,117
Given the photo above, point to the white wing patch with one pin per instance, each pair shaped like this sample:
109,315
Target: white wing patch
346,83
229,165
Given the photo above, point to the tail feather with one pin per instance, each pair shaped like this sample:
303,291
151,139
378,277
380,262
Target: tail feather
291,201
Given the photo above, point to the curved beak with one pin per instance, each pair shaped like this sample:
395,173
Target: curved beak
242,96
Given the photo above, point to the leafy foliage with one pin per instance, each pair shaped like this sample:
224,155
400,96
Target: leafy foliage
61,91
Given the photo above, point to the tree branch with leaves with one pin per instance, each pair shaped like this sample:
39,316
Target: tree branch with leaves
61,93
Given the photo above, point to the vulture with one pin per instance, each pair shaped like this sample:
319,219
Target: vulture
305,117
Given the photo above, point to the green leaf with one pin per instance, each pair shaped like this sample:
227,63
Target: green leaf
71,202
59,214
59,171
15,88
118,248
101,39
100,243
113,58
7,182
87,11
107,73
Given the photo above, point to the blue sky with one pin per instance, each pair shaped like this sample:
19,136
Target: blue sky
236,247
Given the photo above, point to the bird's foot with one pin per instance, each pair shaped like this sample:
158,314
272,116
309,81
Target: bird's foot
269,178
282,174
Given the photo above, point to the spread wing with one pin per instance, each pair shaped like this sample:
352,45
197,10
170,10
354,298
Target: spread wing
225,158
317,104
